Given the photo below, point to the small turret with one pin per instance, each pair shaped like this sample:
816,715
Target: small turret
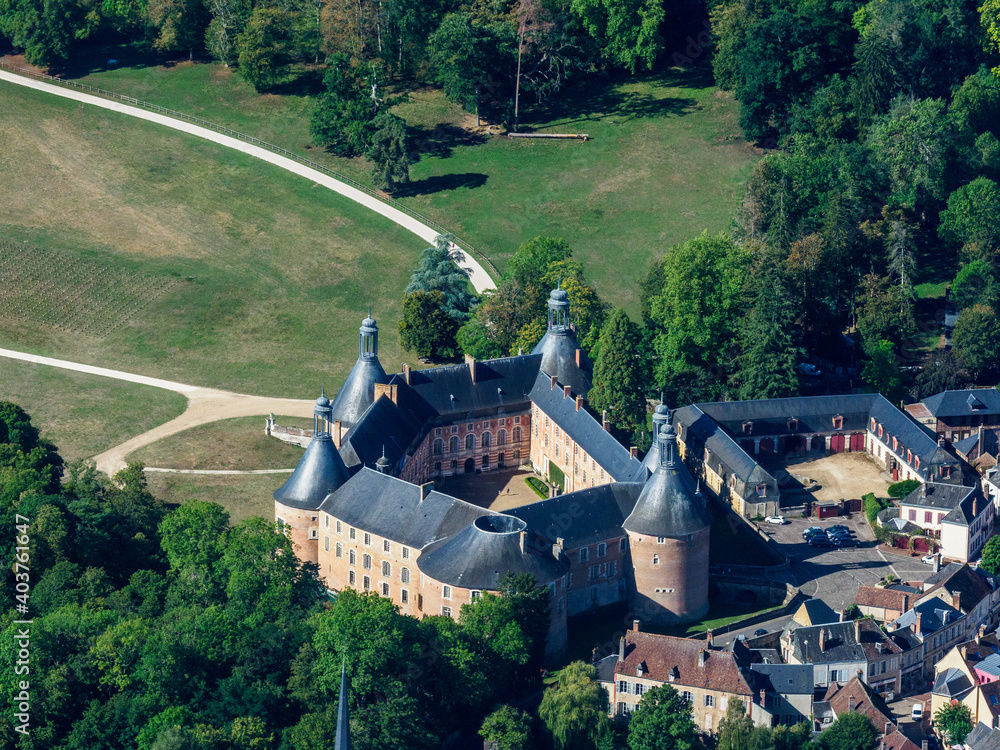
562,357
661,415
358,391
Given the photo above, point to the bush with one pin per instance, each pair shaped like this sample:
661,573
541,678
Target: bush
538,486
873,506
556,476
904,488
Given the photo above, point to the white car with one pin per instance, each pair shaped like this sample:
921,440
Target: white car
928,559
917,713
779,520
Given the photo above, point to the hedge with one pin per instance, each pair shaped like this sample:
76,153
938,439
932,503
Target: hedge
904,488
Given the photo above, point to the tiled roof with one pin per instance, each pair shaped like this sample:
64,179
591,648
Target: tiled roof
839,643
963,403
876,596
866,701
961,579
951,683
659,655
991,697
786,679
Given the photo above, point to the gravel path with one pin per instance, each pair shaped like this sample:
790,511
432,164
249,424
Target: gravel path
477,274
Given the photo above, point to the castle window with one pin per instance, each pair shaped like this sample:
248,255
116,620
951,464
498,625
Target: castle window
623,544
353,533
502,437
404,575
386,546
517,454
916,463
761,490
501,461
945,472
687,696
326,543
710,701
545,442
385,590
747,428
895,444
366,583
486,462
351,578
406,553
661,540
584,554
454,465
437,466
838,422
437,430
438,447
793,424
871,424
313,534
516,437
352,557
602,549
470,442
279,521
486,440
555,450
366,562
656,559
446,611
454,429
340,528
386,569
546,420
446,592
368,539
557,430
594,572
880,431
404,596
475,595
453,444
517,420
611,568
340,549
326,521
469,427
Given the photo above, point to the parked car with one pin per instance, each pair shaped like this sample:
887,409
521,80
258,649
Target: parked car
759,632
839,534
811,529
846,541
780,520
809,369
838,527
814,535
821,541
928,559
917,712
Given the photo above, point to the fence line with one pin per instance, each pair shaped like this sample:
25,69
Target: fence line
256,142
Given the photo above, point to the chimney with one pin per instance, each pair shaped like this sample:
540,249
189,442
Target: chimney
850,702
471,362
336,433
822,639
524,542
557,548
981,633
975,502
760,697
635,625
842,615
552,384
906,603
924,745
857,631
579,402
578,353
604,420
956,600
385,389
520,351
709,637
406,373
937,562
941,442
567,391
633,452
916,624
425,489
701,657
887,728
621,649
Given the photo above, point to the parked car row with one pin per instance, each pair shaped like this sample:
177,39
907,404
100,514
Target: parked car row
835,536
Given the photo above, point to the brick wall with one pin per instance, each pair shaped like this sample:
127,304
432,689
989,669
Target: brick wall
303,527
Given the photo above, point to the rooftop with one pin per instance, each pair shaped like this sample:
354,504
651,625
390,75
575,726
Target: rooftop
963,403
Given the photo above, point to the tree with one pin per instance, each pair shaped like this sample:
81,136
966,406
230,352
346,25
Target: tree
344,115
940,371
884,311
976,105
976,340
194,538
975,284
851,731
508,728
575,709
438,271
388,153
971,219
990,14
956,720
618,385
735,729
880,373
663,719
991,556
627,31
426,327
262,45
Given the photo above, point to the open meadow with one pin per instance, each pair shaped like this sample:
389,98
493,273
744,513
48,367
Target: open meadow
146,250
665,159
242,495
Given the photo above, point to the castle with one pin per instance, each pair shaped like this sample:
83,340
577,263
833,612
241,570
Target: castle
362,503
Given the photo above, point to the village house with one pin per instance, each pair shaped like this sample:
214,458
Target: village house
884,604
956,415
856,696
966,665
961,517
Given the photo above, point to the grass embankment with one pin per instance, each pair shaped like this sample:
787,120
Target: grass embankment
243,495
233,444
665,160
269,274
85,414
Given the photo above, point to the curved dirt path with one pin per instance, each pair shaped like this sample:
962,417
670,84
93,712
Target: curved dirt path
204,405
477,274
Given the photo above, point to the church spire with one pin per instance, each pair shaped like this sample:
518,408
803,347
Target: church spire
343,738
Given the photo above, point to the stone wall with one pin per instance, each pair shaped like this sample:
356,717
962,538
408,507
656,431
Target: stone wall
299,436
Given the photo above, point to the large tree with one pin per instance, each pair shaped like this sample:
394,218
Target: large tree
971,219
388,152
507,728
956,720
438,270
343,118
976,340
426,327
575,710
663,719
618,375
626,31
262,46
851,731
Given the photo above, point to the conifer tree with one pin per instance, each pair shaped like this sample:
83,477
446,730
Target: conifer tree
438,272
618,374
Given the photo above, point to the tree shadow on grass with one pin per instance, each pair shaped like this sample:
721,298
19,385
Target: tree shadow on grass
436,184
440,140
307,82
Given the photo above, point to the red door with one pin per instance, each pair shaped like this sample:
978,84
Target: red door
837,443
858,441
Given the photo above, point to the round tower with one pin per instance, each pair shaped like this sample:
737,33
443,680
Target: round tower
668,533
358,391
562,356
320,471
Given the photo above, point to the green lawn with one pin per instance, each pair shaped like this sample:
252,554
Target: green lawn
85,414
243,496
664,162
227,444
261,278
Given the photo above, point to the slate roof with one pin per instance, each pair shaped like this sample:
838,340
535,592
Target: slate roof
479,555
358,391
955,498
840,644
866,701
967,445
983,737
395,509
990,665
951,683
449,391
695,425
963,403
558,352
876,596
786,679
934,615
586,431
961,579
991,692
606,668
669,504
814,414
661,654
320,471
581,518
383,425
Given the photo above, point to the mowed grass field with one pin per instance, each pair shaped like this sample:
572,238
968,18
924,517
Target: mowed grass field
85,414
261,277
234,444
243,495
664,162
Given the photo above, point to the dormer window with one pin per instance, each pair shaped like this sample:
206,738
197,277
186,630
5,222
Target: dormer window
916,462
838,422
748,428
909,457
871,424
946,472
880,431
793,424
895,444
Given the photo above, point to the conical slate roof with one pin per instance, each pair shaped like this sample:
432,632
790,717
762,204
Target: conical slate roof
321,470
358,392
669,504
558,350
479,555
